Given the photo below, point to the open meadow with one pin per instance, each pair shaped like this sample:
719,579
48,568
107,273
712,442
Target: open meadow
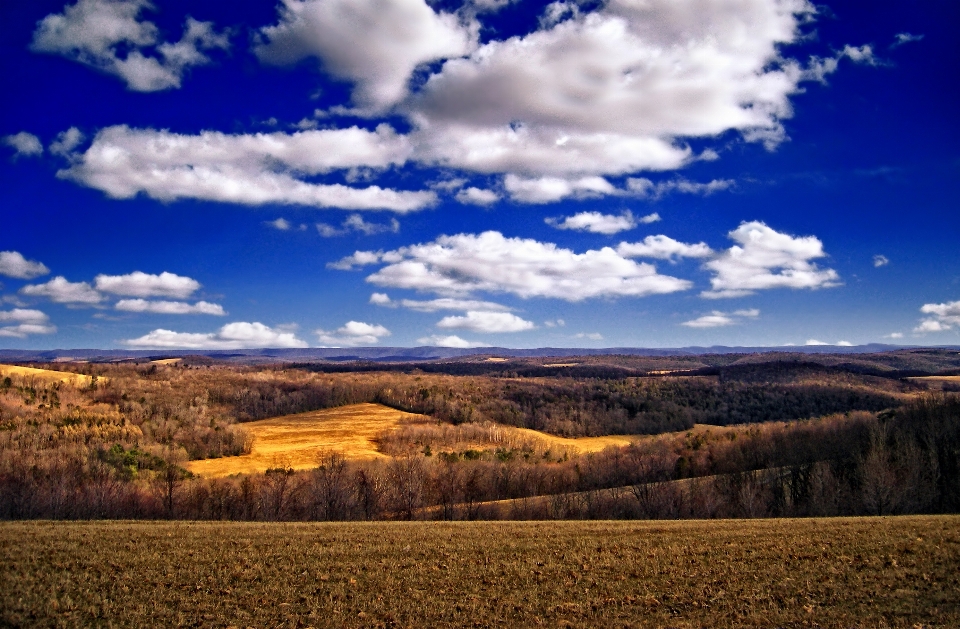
838,572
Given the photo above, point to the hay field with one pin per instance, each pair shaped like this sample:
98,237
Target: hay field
45,375
936,382
827,573
294,440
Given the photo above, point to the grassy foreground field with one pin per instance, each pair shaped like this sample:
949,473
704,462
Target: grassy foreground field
857,572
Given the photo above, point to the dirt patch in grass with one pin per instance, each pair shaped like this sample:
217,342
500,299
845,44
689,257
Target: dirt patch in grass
886,572
294,441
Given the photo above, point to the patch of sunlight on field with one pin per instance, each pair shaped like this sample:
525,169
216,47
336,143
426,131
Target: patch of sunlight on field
582,445
295,440
46,375
166,361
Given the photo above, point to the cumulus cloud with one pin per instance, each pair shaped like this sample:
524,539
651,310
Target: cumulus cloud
613,91
944,317
24,144
596,222
353,334
238,335
487,322
551,189
61,291
13,264
458,265
647,189
281,224
169,307
477,196
663,248
140,284
355,223
66,141
376,44
94,32
718,319
592,336
434,305
905,38
248,169
880,260
25,322
450,341
765,259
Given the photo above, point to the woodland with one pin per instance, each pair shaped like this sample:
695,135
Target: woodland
753,435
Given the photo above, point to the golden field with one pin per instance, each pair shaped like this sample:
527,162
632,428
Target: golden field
295,441
838,572
45,375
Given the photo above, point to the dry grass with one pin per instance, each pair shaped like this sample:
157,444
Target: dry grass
887,572
45,375
580,445
295,440
166,361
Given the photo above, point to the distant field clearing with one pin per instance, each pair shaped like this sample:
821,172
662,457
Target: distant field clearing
46,375
294,440
582,445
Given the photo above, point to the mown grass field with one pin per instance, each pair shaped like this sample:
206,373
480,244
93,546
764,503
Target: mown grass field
45,375
294,441
856,572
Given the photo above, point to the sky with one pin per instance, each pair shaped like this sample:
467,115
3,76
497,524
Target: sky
347,173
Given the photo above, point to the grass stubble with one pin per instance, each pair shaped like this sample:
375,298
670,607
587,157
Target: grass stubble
845,572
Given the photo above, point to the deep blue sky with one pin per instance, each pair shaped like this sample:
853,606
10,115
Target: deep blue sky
725,117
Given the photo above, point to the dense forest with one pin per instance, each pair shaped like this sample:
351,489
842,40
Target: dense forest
782,437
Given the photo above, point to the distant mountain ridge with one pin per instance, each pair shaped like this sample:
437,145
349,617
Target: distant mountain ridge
402,354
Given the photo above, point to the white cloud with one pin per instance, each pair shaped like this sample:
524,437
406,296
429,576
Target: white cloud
26,322
249,169
815,342
464,263
613,91
23,330
718,319
61,291
169,307
450,341
139,284
434,305
487,322
555,323
766,259
93,32
23,315
895,335
377,44
551,189
593,336
945,316
24,144
66,141
352,334
355,223
649,218
905,38
238,335
663,248
477,196
647,189
596,222
880,260
281,223
13,264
